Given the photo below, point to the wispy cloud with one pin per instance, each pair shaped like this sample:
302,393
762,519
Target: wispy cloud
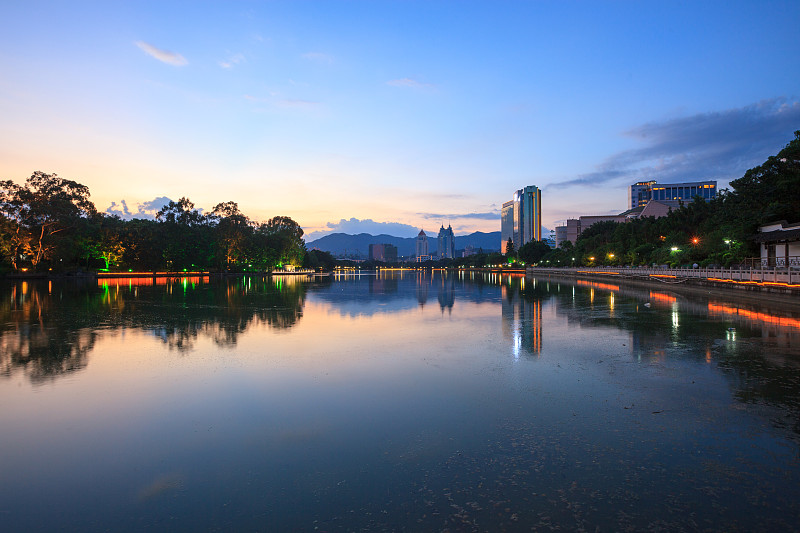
410,83
165,56
232,61
318,57
491,215
719,145
144,210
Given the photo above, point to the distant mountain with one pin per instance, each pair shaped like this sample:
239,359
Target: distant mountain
343,244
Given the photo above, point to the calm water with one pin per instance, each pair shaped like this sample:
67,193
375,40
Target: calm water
395,402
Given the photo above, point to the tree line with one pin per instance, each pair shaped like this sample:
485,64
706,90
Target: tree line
49,224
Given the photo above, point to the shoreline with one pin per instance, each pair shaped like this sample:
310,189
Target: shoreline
157,274
689,286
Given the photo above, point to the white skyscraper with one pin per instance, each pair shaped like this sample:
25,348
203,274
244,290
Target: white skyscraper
422,244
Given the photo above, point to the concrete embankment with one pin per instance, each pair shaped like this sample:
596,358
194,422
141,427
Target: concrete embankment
750,284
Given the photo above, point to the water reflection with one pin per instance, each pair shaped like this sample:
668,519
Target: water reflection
756,345
48,330
521,309
520,404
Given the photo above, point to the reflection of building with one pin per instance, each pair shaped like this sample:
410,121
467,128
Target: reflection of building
421,245
386,253
447,293
522,321
447,243
422,289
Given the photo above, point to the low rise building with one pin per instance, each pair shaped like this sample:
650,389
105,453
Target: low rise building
780,244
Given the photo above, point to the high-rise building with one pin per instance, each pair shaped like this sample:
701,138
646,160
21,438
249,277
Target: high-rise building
527,213
447,243
386,253
521,218
421,244
506,225
643,191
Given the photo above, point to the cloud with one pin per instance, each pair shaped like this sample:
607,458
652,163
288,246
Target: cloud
720,145
355,226
165,56
409,83
232,61
144,210
318,57
491,215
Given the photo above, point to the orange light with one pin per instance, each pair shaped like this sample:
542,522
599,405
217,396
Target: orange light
606,286
754,315
662,297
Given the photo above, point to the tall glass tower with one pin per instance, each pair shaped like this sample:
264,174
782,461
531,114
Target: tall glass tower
527,215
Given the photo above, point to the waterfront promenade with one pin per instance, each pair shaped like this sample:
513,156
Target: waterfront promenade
772,280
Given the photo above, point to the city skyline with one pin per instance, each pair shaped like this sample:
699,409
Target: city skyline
392,117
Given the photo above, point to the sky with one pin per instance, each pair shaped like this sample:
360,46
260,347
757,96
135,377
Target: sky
388,117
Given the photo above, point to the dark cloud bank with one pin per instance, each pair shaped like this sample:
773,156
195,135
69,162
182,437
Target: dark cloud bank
720,145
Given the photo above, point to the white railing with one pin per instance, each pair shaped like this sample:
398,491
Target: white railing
759,275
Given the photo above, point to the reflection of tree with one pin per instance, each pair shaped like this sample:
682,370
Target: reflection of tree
38,337
48,329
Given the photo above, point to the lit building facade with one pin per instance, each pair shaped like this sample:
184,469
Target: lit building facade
642,192
527,215
506,225
521,218
447,243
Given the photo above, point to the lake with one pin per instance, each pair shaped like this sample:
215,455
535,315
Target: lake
398,401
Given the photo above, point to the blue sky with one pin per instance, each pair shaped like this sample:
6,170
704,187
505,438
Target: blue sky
344,115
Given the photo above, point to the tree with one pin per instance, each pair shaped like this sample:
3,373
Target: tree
286,238
510,251
47,205
233,228
181,212
533,251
